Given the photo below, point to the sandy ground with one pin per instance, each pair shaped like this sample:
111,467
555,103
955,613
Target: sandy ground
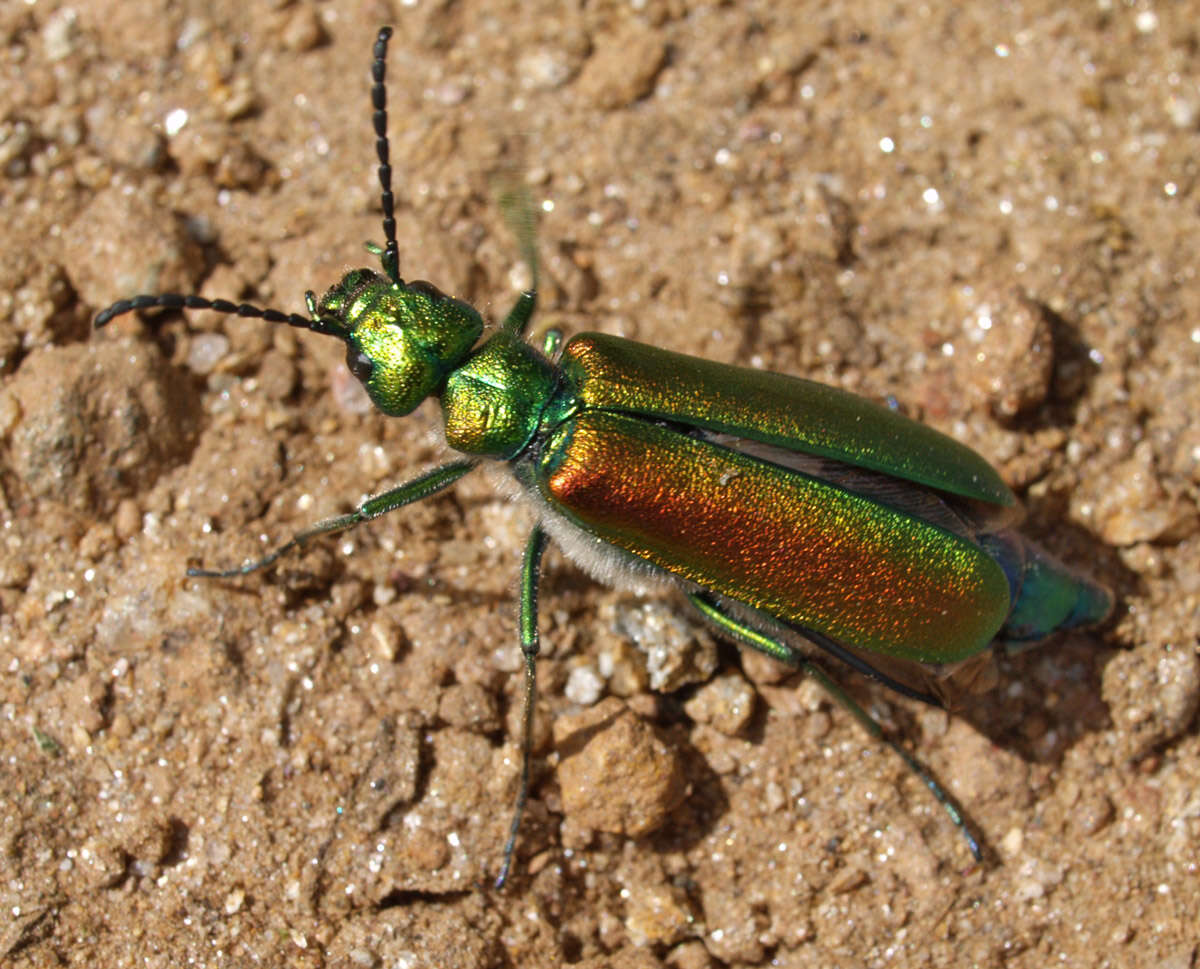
988,215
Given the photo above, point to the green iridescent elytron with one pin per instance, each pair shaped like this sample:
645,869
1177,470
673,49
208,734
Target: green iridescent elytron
790,513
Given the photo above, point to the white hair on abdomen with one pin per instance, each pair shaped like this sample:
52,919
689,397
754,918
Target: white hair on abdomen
601,560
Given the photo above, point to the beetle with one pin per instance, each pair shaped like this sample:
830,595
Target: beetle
797,518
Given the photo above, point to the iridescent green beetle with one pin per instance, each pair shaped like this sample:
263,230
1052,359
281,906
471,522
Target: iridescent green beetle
789,512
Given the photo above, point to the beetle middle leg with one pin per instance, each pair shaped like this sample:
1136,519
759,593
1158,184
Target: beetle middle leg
531,571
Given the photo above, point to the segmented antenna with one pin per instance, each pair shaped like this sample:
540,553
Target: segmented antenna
391,252
389,255
176,301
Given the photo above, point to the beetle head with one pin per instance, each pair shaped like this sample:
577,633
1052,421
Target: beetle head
402,339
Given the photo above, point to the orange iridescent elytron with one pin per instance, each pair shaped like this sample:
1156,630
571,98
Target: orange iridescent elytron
794,547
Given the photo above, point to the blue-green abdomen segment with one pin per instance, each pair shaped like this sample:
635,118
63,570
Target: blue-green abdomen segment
797,415
781,542
1046,595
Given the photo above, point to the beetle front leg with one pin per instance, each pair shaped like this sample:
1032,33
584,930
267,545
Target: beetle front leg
531,570
427,484
740,632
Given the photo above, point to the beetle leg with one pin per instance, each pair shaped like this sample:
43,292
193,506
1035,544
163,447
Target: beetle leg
860,665
747,635
551,341
427,484
777,649
522,311
531,570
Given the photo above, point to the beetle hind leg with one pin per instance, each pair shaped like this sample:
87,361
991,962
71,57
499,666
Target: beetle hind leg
747,635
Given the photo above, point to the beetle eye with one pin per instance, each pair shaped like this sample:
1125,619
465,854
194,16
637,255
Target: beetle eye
360,364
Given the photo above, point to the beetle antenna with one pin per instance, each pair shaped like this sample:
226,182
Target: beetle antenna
176,301
390,256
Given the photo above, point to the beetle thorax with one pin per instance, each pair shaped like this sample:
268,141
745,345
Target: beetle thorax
493,403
